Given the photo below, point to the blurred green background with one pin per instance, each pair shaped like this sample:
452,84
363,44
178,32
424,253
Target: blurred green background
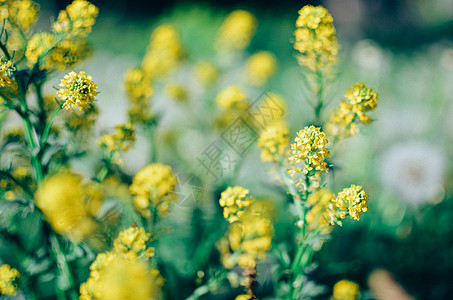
403,49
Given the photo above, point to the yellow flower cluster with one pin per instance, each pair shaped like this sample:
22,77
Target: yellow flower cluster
9,280
124,273
38,46
121,141
248,238
260,67
93,199
316,39
67,45
67,53
346,290
132,241
152,187
61,199
237,31
77,20
234,201
309,148
6,69
21,13
273,142
232,97
139,91
138,85
165,52
318,216
351,201
80,90
360,100
177,92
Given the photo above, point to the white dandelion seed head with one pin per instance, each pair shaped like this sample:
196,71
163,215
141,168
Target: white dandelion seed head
415,171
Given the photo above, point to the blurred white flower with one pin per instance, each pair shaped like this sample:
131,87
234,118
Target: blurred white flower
370,57
415,171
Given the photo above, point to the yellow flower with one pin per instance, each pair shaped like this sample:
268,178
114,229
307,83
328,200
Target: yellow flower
152,187
260,67
60,198
177,91
234,201
122,140
351,201
9,280
232,97
119,278
346,290
67,54
350,113
138,86
237,31
316,40
77,20
116,273
80,90
273,141
206,72
23,13
249,238
130,240
165,52
93,198
309,148
38,46
242,297
6,70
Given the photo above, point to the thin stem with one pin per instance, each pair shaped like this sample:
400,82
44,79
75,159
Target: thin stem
5,51
152,137
63,265
211,285
48,126
293,192
42,112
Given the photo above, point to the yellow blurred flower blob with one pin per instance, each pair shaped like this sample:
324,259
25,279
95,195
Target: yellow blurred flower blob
152,189
77,20
60,198
346,290
9,280
260,67
237,31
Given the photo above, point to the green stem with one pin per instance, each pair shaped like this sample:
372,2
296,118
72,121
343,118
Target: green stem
42,112
152,137
63,266
293,192
102,173
48,126
211,285
33,150
319,101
